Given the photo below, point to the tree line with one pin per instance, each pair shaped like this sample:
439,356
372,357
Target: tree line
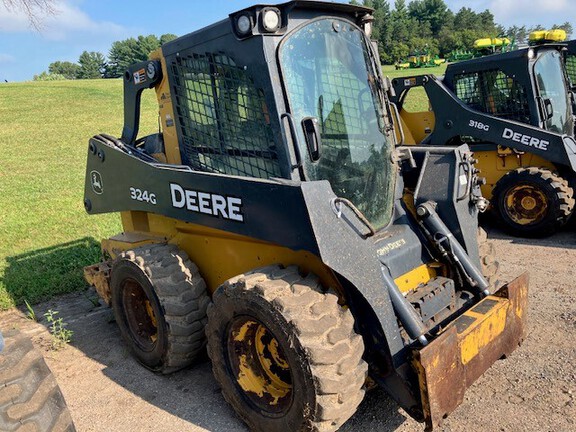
92,64
430,26
423,26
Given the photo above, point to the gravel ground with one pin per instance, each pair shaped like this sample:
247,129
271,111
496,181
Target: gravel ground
533,390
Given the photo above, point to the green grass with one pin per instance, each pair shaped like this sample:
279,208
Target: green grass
390,70
46,237
416,100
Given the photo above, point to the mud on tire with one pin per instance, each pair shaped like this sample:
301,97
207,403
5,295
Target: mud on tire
160,301
30,399
285,352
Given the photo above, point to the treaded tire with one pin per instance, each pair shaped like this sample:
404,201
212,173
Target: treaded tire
30,399
164,276
553,189
314,334
490,267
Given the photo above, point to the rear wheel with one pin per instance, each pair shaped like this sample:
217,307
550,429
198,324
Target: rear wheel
532,202
30,399
284,352
160,301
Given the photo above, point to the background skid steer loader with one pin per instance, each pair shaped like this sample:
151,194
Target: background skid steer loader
267,220
516,112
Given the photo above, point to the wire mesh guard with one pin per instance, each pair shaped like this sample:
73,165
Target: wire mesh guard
571,68
493,92
223,118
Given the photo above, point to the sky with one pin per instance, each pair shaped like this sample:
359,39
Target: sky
84,25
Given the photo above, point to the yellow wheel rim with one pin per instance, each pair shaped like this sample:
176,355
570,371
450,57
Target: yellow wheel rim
152,316
526,204
260,366
140,317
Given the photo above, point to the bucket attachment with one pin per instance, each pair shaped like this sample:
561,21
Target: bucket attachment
490,330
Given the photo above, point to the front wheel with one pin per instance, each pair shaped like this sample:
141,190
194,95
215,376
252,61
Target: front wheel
160,301
532,202
285,352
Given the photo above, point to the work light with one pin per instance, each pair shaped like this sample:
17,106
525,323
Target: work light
271,19
244,24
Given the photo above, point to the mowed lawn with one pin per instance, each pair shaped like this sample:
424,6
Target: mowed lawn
46,237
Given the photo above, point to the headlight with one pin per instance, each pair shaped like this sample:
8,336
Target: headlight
271,19
244,24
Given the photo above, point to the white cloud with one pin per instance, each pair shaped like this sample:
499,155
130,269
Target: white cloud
68,19
6,58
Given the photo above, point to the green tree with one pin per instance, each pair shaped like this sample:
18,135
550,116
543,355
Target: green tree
45,76
145,45
165,38
567,27
121,55
519,34
92,65
132,50
65,68
468,26
434,13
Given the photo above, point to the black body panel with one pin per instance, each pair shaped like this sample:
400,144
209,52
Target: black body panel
456,120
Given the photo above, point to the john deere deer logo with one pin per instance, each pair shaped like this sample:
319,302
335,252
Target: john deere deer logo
97,185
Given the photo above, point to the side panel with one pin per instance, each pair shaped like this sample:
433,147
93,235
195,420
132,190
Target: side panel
117,181
446,178
220,255
493,165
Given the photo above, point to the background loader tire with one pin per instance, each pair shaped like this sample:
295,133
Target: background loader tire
160,301
532,202
30,399
285,352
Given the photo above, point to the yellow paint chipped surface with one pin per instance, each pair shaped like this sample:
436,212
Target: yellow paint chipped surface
415,277
487,328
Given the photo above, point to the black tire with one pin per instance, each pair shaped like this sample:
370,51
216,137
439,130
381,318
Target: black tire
299,344
30,399
532,202
160,301
489,265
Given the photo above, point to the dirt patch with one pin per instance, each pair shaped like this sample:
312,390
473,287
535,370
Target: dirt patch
533,390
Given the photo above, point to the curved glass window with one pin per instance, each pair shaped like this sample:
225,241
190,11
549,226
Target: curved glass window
330,74
552,89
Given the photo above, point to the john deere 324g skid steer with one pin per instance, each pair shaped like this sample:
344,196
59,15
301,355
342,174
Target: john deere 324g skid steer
516,112
267,220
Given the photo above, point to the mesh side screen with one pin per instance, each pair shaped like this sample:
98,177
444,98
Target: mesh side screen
493,92
224,120
571,68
